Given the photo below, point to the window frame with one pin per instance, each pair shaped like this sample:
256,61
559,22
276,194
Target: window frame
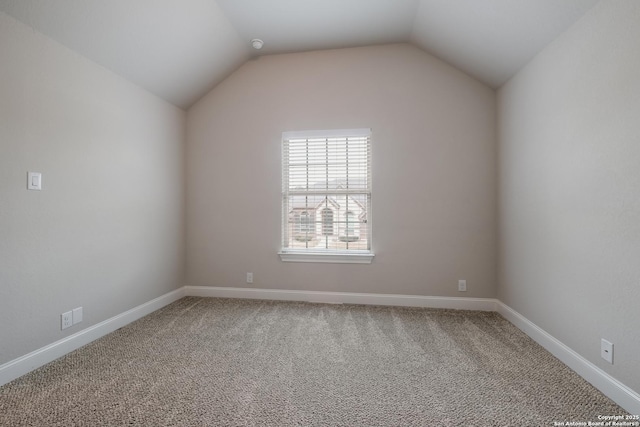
357,256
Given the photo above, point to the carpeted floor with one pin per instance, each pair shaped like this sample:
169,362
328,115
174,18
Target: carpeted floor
223,362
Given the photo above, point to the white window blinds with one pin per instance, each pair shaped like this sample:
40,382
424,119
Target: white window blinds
326,192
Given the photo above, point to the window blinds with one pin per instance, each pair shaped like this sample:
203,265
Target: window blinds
326,191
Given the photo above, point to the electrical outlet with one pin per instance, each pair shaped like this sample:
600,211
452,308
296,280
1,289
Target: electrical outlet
606,350
66,320
77,315
249,277
462,286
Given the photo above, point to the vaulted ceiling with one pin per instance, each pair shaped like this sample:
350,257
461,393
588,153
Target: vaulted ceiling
180,49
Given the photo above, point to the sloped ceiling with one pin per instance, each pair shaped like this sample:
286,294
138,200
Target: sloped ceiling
492,39
295,25
180,49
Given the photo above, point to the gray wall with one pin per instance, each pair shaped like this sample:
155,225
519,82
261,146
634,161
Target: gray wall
106,232
434,188
569,132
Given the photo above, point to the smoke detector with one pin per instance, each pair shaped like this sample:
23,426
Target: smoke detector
257,44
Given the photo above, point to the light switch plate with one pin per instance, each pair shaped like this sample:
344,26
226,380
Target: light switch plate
34,181
606,350
77,315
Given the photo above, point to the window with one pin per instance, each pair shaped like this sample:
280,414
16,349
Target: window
326,196
304,226
327,222
306,223
350,231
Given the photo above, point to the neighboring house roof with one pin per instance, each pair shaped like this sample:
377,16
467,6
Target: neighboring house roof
315,201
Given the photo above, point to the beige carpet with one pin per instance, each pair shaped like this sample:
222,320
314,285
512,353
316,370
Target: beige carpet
217,362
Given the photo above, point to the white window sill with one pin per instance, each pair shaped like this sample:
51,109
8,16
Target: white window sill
335,258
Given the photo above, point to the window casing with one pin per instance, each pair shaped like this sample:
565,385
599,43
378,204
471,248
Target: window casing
326,196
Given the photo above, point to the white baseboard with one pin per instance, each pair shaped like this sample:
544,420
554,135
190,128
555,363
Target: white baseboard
609,386
483,304
27,363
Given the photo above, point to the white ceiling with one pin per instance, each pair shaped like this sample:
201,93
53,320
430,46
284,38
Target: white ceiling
300,25
177,49
180,49
492,39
